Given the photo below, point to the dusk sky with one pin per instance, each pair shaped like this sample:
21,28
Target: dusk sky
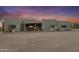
65,13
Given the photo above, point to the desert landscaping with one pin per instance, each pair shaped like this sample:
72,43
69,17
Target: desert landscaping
57,41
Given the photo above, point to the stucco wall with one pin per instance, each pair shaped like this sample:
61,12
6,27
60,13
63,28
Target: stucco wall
12,22
46,24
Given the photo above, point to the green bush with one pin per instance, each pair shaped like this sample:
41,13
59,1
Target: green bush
76,26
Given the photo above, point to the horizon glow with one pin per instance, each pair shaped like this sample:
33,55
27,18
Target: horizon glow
65,13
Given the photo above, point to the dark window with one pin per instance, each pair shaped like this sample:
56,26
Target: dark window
64,26
13,26
53,26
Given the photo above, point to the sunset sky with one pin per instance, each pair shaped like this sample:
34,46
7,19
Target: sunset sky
65,13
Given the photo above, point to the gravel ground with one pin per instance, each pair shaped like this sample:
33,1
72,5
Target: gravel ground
63,41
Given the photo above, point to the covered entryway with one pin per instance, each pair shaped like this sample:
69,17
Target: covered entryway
33,27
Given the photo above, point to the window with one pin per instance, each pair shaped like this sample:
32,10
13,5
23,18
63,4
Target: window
13,26
64,26
53,26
